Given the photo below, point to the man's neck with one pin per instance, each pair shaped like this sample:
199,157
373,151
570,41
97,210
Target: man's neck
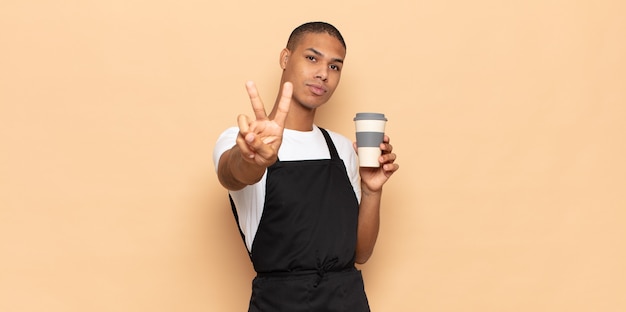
299,124
299,118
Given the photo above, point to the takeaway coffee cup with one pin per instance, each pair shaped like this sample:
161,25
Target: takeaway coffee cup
370,129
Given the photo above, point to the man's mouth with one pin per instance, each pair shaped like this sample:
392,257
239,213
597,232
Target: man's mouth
317,89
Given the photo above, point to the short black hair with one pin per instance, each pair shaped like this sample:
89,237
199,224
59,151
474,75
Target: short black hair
313,27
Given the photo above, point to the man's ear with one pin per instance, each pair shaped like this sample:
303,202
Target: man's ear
284,58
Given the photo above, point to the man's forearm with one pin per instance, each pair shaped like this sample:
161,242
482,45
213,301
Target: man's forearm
368,226
234,173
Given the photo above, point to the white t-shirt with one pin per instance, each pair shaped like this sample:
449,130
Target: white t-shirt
296,145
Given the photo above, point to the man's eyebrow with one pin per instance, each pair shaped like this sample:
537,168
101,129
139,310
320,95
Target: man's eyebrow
318,53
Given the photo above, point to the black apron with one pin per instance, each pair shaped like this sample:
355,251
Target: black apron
304,248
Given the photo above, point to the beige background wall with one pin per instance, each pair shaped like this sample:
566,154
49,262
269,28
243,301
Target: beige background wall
507,117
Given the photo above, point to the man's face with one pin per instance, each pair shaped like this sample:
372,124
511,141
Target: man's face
314,68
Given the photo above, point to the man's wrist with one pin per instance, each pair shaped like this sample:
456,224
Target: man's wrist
365,191
245,172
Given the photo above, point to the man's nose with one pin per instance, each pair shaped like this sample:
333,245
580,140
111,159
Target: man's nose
322,73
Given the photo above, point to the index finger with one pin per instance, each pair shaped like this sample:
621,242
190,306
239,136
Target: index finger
255,99
283,104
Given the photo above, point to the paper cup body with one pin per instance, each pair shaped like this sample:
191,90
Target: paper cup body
370,129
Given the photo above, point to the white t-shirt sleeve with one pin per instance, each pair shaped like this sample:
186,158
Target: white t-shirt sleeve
225,141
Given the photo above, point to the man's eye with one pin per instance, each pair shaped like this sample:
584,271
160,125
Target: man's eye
334,67
311,58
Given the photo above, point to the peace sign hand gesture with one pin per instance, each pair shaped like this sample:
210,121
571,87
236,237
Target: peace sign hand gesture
260,139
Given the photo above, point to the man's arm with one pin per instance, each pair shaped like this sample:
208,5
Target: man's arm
257,142
372,181
234,173
368,226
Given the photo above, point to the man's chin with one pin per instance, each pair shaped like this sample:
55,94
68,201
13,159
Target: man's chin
313,106
316,101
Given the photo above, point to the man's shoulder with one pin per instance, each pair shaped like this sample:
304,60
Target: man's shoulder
339,138
342,143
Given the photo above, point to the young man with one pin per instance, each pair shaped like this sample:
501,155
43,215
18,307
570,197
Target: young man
305,210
